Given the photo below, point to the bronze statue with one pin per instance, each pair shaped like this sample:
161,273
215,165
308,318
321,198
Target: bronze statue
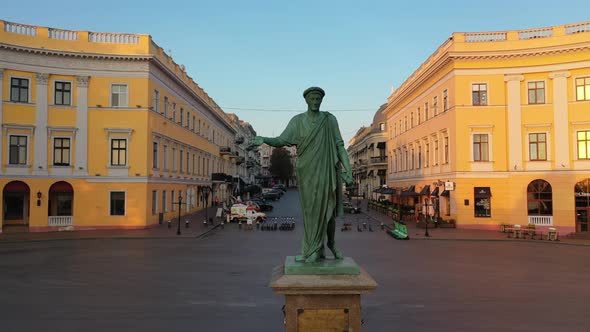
320,158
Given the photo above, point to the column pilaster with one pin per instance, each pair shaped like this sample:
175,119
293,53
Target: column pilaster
81,167
560,118
40,149
514,122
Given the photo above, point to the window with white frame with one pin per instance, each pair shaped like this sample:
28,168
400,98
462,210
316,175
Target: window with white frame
17,150
166,107
445,100
194,119
435,152
584,144
582,88
427,161
173,159
119,95
156,101
62,93
479,94
61,151
435,105
155,155
19,90
174,112
536,92
117,202
172,200
537,146
446,150
480,147
165,152
118,152
382,126
154,202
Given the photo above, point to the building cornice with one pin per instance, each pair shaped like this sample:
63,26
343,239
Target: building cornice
44,51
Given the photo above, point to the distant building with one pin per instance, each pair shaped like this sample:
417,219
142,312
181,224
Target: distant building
494,128
367,153
103,131
265,178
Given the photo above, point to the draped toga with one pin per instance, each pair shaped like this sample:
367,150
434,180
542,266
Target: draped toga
318,173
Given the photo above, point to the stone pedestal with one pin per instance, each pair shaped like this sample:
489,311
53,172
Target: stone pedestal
322,302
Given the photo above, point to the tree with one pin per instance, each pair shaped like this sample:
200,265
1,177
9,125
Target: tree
280,164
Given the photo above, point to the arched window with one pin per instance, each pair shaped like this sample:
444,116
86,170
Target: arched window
539,198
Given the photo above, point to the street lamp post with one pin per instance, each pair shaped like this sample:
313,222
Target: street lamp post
179,208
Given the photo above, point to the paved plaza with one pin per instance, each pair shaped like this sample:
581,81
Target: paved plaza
219,281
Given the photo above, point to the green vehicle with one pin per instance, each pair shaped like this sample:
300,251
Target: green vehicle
399,231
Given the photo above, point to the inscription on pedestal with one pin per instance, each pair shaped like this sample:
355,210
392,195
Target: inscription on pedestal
322,320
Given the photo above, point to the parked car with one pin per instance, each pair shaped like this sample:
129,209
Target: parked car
264,206
349,208
280,186
271,195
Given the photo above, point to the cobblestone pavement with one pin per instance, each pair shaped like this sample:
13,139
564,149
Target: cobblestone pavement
219,281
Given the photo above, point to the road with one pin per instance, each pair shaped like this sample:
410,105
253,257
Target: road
220,282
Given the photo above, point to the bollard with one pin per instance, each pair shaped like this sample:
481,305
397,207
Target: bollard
240,224
205,223
382,225
186,224
169,224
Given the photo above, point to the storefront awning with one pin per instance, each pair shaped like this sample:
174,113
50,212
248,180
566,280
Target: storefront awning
434,192
425,190
482,192
381,145
445,193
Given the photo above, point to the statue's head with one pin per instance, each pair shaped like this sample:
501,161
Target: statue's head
313,97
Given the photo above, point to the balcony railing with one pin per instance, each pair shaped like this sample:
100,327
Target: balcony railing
379,160
60,221
225,150
541,220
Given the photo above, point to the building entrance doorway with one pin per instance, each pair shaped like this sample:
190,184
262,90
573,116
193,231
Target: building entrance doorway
15,205
582,195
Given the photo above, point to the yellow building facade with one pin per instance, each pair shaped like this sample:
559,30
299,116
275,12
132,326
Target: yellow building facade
494,127
103,131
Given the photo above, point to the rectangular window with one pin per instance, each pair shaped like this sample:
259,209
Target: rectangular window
156,101
166,107
412,120
118,152
173,159
419,119
62,93
174,112
119,95
406,123
446,150
19,90
172,200
194,164
155,155
165,152
18,150
538,146
479,94
181,156
199,127
426,111
427,161
435,153
583,88
536,92
419,157
445,100
188,162
194,120
181,116
435,105
117,203
480,147
482,202
154,202
412,165
164,201
583,144
61,151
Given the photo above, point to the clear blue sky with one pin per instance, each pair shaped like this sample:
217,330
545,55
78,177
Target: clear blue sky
263,54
